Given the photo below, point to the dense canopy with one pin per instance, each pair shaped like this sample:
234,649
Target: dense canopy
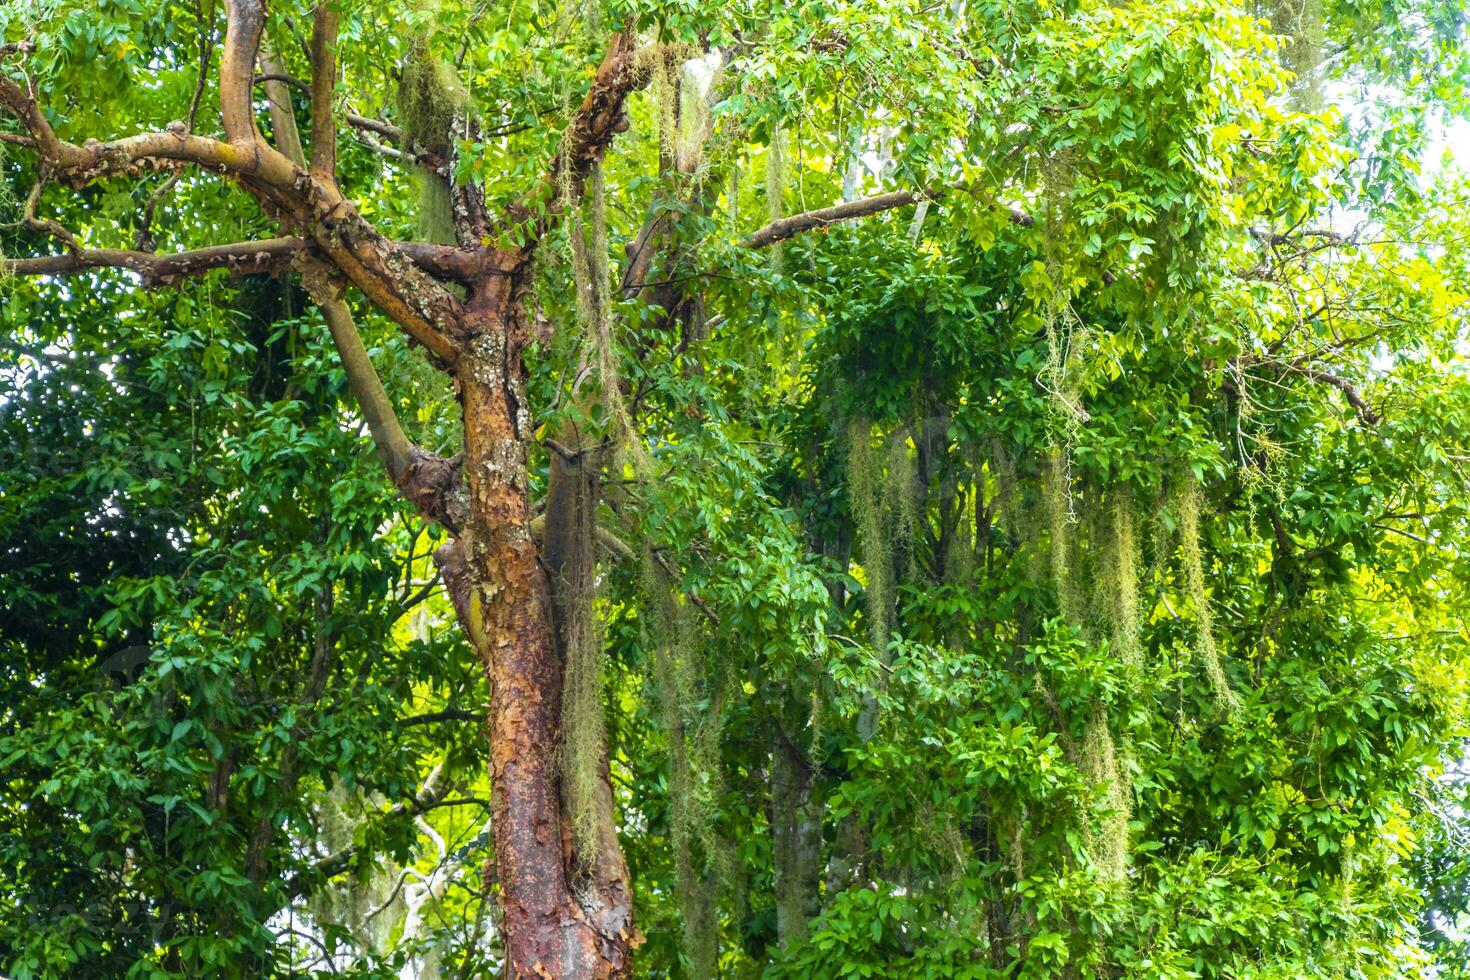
876,488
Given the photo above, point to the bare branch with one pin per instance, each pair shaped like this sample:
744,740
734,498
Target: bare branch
1348,389
278,105
240,258
147,151
384,129
323,82
394,449
393,446
1277,238
245,20
143,238
789,227
267,255
30,217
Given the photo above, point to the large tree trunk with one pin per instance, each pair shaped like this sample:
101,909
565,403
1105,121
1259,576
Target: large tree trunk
504,600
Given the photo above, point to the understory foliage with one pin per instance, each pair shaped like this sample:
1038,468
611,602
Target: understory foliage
1061,578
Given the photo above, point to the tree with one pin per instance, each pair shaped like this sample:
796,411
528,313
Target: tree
500,590
1000,568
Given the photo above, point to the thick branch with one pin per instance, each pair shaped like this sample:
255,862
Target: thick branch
323,81
245,20
600,117
151,151
266,255
624,69
241,258
428,312
464,265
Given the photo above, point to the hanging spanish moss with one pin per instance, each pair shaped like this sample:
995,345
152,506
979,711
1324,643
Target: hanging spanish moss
1093,566
594,308
1061,515
1018,514
775,187
433,106
1300,23
795,839
1100,764
1120,573
368,906
901,493
664,85
1187,503
584,732
673,637
959,557
864,473
696,120
583,727
883,494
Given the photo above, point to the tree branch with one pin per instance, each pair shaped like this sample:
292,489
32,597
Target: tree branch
392,444
1348,389
244,23
240,258
385,129
323,82
278,105
427,311
79,165
625,68
789,227
393,447
266,255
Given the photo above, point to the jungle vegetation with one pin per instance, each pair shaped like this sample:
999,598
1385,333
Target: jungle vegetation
812,489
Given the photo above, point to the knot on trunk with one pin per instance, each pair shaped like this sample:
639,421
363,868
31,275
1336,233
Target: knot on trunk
435,486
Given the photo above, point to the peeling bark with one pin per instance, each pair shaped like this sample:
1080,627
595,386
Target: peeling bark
507,612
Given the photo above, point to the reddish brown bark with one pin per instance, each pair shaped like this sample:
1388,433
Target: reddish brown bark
508,615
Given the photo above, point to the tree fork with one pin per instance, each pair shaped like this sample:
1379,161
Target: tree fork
501,594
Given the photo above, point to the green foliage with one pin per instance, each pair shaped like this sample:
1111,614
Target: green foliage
1069,583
